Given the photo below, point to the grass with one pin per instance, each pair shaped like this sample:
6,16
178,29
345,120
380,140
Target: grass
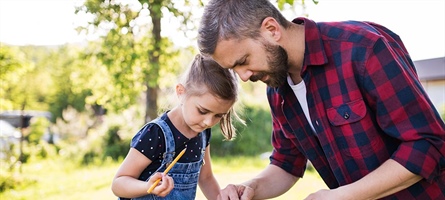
59,179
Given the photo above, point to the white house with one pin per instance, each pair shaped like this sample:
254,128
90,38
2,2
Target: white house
432,75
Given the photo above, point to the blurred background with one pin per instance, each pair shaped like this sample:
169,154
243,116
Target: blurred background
78,78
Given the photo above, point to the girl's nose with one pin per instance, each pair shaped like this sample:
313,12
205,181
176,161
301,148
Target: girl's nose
209,121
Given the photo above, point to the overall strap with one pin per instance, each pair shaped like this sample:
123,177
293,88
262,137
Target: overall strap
169,141
204,143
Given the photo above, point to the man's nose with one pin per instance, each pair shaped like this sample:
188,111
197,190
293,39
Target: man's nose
244,74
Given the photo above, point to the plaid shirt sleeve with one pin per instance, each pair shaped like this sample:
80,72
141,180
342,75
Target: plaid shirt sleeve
289,158
403,108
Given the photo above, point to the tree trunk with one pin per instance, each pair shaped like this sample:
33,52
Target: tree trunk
152,91
151,104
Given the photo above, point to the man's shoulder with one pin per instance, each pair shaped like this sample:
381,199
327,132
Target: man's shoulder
349,31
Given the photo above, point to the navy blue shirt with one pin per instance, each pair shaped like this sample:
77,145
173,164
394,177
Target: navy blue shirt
150,141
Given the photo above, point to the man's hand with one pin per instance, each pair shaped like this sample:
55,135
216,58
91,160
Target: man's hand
326,194
236,192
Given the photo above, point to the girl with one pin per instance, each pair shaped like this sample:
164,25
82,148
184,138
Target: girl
206,96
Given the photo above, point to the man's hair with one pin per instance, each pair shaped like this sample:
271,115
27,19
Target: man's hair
234,19
206,76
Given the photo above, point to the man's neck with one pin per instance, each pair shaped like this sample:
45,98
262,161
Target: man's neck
294,44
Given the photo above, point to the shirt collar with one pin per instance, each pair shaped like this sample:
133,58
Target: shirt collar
314,49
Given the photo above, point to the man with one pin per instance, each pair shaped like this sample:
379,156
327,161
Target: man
344,95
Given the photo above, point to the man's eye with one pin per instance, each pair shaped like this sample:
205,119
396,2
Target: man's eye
202,112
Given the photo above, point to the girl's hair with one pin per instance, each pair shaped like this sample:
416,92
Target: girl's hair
234,19
205,75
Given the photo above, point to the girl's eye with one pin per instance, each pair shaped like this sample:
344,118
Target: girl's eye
219,116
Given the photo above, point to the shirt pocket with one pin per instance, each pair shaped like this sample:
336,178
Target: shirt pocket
347,113
347,125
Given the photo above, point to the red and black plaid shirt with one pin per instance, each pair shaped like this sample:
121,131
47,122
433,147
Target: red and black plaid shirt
366,104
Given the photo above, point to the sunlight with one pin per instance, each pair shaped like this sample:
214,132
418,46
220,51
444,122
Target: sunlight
49,22
42,22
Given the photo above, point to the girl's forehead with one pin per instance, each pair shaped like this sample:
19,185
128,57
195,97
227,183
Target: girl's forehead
212,102
200,90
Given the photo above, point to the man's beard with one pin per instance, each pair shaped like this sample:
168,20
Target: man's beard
277,59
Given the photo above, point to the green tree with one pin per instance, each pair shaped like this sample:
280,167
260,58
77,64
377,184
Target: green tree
132,48
24,84
70,83
281,3
10,64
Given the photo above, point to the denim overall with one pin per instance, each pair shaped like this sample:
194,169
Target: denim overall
185,175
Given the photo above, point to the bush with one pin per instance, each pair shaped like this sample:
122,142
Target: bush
110,146
37,129
252,139
90,157
115,147
10,181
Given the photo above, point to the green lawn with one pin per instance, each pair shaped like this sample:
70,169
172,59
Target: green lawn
55,179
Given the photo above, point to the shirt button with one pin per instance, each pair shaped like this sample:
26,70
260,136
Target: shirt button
316,122
346,115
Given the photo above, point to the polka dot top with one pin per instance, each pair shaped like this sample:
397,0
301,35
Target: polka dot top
150,142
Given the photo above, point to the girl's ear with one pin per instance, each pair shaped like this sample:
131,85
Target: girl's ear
180,90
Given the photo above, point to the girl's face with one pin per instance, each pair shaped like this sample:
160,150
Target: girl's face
204,111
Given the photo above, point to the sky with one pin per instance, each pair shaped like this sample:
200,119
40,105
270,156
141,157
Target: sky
420,23
37,22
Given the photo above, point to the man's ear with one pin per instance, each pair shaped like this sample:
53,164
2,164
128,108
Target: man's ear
271,28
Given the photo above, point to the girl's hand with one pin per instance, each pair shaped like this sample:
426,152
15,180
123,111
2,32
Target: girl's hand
164,186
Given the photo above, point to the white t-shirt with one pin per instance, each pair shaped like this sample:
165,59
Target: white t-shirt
300,92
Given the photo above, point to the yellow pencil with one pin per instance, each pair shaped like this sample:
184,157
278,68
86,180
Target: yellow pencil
166,170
